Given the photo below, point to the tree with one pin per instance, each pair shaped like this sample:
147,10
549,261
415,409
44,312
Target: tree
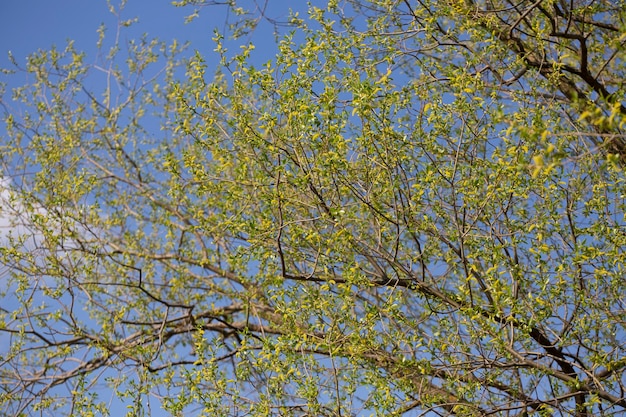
415,208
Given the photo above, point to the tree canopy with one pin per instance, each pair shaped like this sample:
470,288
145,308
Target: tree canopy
411,208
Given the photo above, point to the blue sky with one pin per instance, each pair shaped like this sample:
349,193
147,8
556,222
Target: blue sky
28,25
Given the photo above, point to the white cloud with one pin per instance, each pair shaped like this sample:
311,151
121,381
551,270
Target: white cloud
15,221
